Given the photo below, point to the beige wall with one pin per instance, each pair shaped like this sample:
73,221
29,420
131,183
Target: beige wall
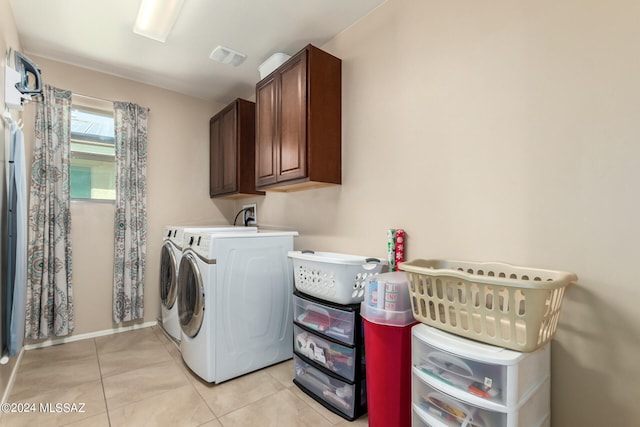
500,131
178,187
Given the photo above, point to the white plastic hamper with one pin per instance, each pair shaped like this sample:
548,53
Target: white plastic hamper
334,277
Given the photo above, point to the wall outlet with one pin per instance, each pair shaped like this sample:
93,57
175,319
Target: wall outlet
250,216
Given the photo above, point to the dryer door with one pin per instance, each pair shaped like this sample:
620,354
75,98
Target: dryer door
190,295
168,280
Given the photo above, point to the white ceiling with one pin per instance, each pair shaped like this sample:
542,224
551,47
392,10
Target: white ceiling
98,34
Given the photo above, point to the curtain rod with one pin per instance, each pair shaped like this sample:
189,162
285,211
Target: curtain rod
91,97
95,98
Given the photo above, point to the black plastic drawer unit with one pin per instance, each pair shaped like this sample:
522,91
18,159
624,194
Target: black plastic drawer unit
329,354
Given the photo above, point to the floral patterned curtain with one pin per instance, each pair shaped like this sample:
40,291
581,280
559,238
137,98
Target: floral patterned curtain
49,307
131,211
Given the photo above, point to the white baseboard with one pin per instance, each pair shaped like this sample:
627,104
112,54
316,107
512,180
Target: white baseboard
79,337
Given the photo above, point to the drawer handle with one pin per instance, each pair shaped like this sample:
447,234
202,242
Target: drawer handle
457,410
450,364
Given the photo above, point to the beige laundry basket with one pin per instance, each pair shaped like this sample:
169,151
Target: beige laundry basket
500,304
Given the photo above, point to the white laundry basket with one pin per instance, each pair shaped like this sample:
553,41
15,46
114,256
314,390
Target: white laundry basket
334,277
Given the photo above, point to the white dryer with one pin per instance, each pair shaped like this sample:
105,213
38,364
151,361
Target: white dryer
235,302
169,258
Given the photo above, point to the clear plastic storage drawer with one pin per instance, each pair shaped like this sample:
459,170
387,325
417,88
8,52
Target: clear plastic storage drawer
417,418
335,357
496,374
338,394
441,409
334,323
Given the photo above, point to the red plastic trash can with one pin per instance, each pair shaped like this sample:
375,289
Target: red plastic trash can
387,318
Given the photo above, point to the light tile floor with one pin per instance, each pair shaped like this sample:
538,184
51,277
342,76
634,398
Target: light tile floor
138,378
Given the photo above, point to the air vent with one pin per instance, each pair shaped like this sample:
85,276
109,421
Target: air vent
225,55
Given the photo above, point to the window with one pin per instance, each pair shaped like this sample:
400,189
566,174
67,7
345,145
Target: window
93,168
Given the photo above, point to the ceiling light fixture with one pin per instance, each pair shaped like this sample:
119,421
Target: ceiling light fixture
227,56
156,18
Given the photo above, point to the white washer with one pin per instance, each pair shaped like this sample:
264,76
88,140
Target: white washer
235,302
169,258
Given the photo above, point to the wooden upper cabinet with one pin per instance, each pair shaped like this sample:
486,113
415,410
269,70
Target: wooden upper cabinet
298,124
293,120
266,132
232,151
215,158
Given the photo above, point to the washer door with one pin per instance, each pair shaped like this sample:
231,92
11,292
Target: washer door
168,280
190,295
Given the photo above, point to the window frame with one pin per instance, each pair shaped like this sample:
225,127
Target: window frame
98,107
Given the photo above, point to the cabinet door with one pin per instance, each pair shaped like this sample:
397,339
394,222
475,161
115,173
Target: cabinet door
215,158
292,150
266,131
229,153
